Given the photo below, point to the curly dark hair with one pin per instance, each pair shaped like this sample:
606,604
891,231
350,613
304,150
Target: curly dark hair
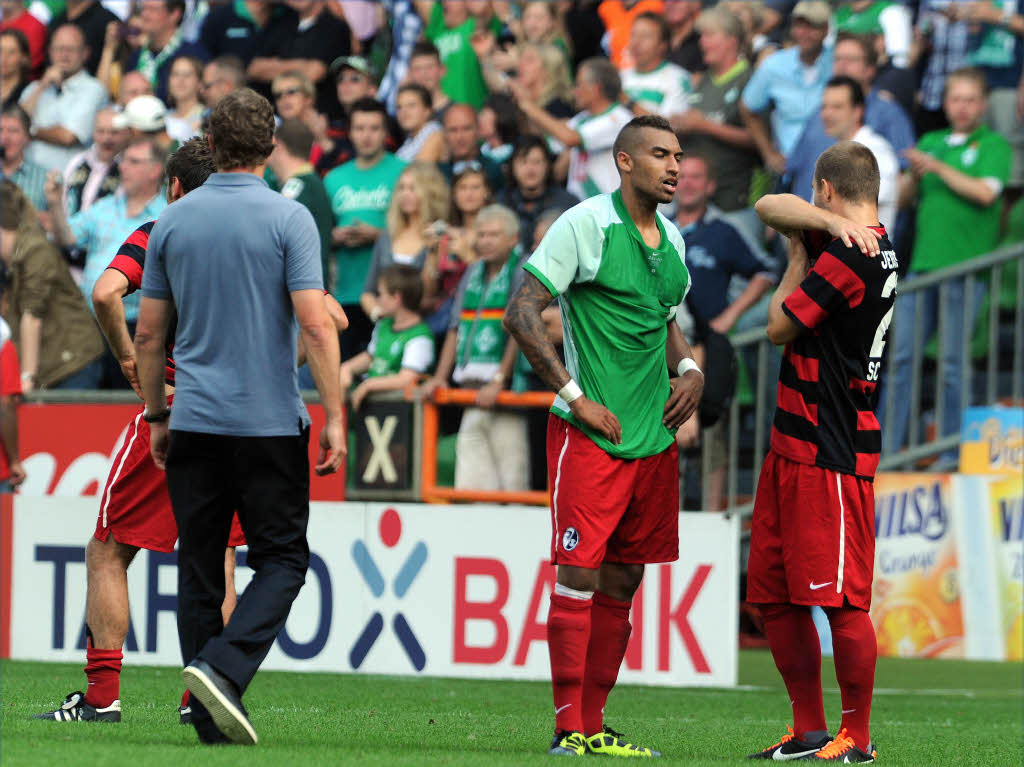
191,164
241,128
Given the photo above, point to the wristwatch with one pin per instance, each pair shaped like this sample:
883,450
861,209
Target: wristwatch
160,417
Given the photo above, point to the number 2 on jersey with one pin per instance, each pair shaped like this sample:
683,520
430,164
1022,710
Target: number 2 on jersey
878,345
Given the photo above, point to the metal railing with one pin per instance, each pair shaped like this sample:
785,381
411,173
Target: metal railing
747,427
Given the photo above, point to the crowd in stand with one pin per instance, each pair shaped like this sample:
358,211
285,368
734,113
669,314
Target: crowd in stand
435,142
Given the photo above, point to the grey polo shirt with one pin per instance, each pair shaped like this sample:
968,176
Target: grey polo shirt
227,255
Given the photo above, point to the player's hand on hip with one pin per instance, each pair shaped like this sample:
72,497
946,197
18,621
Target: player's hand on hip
855,235
683,399
598,418
159,439
333,448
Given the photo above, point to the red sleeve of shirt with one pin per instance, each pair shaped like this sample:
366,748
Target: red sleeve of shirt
10,370
131,256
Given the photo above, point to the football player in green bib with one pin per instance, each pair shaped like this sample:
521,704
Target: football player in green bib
616,266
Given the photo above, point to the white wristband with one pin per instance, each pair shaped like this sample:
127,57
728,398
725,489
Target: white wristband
571,391
686,364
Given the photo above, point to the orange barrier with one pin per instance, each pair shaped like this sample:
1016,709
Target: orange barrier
429,490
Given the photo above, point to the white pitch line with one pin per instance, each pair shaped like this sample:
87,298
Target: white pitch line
967,693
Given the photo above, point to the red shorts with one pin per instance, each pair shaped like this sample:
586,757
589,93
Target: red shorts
608,509
812,541
135,506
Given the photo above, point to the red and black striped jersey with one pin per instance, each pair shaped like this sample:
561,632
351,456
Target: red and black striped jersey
829,377
130,261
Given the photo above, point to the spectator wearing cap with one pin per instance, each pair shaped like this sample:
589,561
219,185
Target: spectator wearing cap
360,192
450,26
220,77
854,58
161,22
93,173
426,70
533,190
15,16
790,83
59,344
92,18
299,181
316,39
654,85
684,42
63,103
245,30
101,229
355,79
713,127
14,139
146,116
590,135
462,146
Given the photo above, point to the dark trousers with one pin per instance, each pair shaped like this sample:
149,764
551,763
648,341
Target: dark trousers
266,479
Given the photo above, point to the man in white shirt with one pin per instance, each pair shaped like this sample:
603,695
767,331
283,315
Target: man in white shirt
654,85
588,136
842,115
63,102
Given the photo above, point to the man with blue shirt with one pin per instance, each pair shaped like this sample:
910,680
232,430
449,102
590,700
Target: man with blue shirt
100,230
790,82
241,431
853,57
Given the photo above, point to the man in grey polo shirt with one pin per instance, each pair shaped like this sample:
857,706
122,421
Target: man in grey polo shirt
238,264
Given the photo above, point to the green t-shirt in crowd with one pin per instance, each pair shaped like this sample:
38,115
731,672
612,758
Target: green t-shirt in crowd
950,228
392,350
865,22
463,81
616,296
359,195
307,187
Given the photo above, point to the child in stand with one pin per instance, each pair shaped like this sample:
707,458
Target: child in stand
402,345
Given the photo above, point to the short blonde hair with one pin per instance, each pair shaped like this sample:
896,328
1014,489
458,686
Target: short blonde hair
294,75
435,196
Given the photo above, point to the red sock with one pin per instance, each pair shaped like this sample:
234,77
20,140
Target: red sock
185,696
609,635
103,670
797,653
568,632
855,651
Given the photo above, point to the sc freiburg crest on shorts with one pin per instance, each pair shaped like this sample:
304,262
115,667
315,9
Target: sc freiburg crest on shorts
570,538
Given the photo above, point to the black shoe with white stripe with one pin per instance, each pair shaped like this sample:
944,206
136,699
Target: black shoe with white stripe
75,709
184,714
221,698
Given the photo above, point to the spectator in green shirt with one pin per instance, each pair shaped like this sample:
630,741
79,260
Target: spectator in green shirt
360,192
299,181
958,175
402,346
450,26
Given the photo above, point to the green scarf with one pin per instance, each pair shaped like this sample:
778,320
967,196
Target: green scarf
481,338
149,65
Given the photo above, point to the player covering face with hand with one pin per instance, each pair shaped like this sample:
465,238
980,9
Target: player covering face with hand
617,267
813,535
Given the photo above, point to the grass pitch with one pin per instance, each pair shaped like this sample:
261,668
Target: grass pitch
926,712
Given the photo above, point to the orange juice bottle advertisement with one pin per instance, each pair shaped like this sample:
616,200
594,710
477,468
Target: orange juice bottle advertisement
1007,514
916,599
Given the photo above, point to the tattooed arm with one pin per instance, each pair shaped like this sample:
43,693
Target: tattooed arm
523,320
